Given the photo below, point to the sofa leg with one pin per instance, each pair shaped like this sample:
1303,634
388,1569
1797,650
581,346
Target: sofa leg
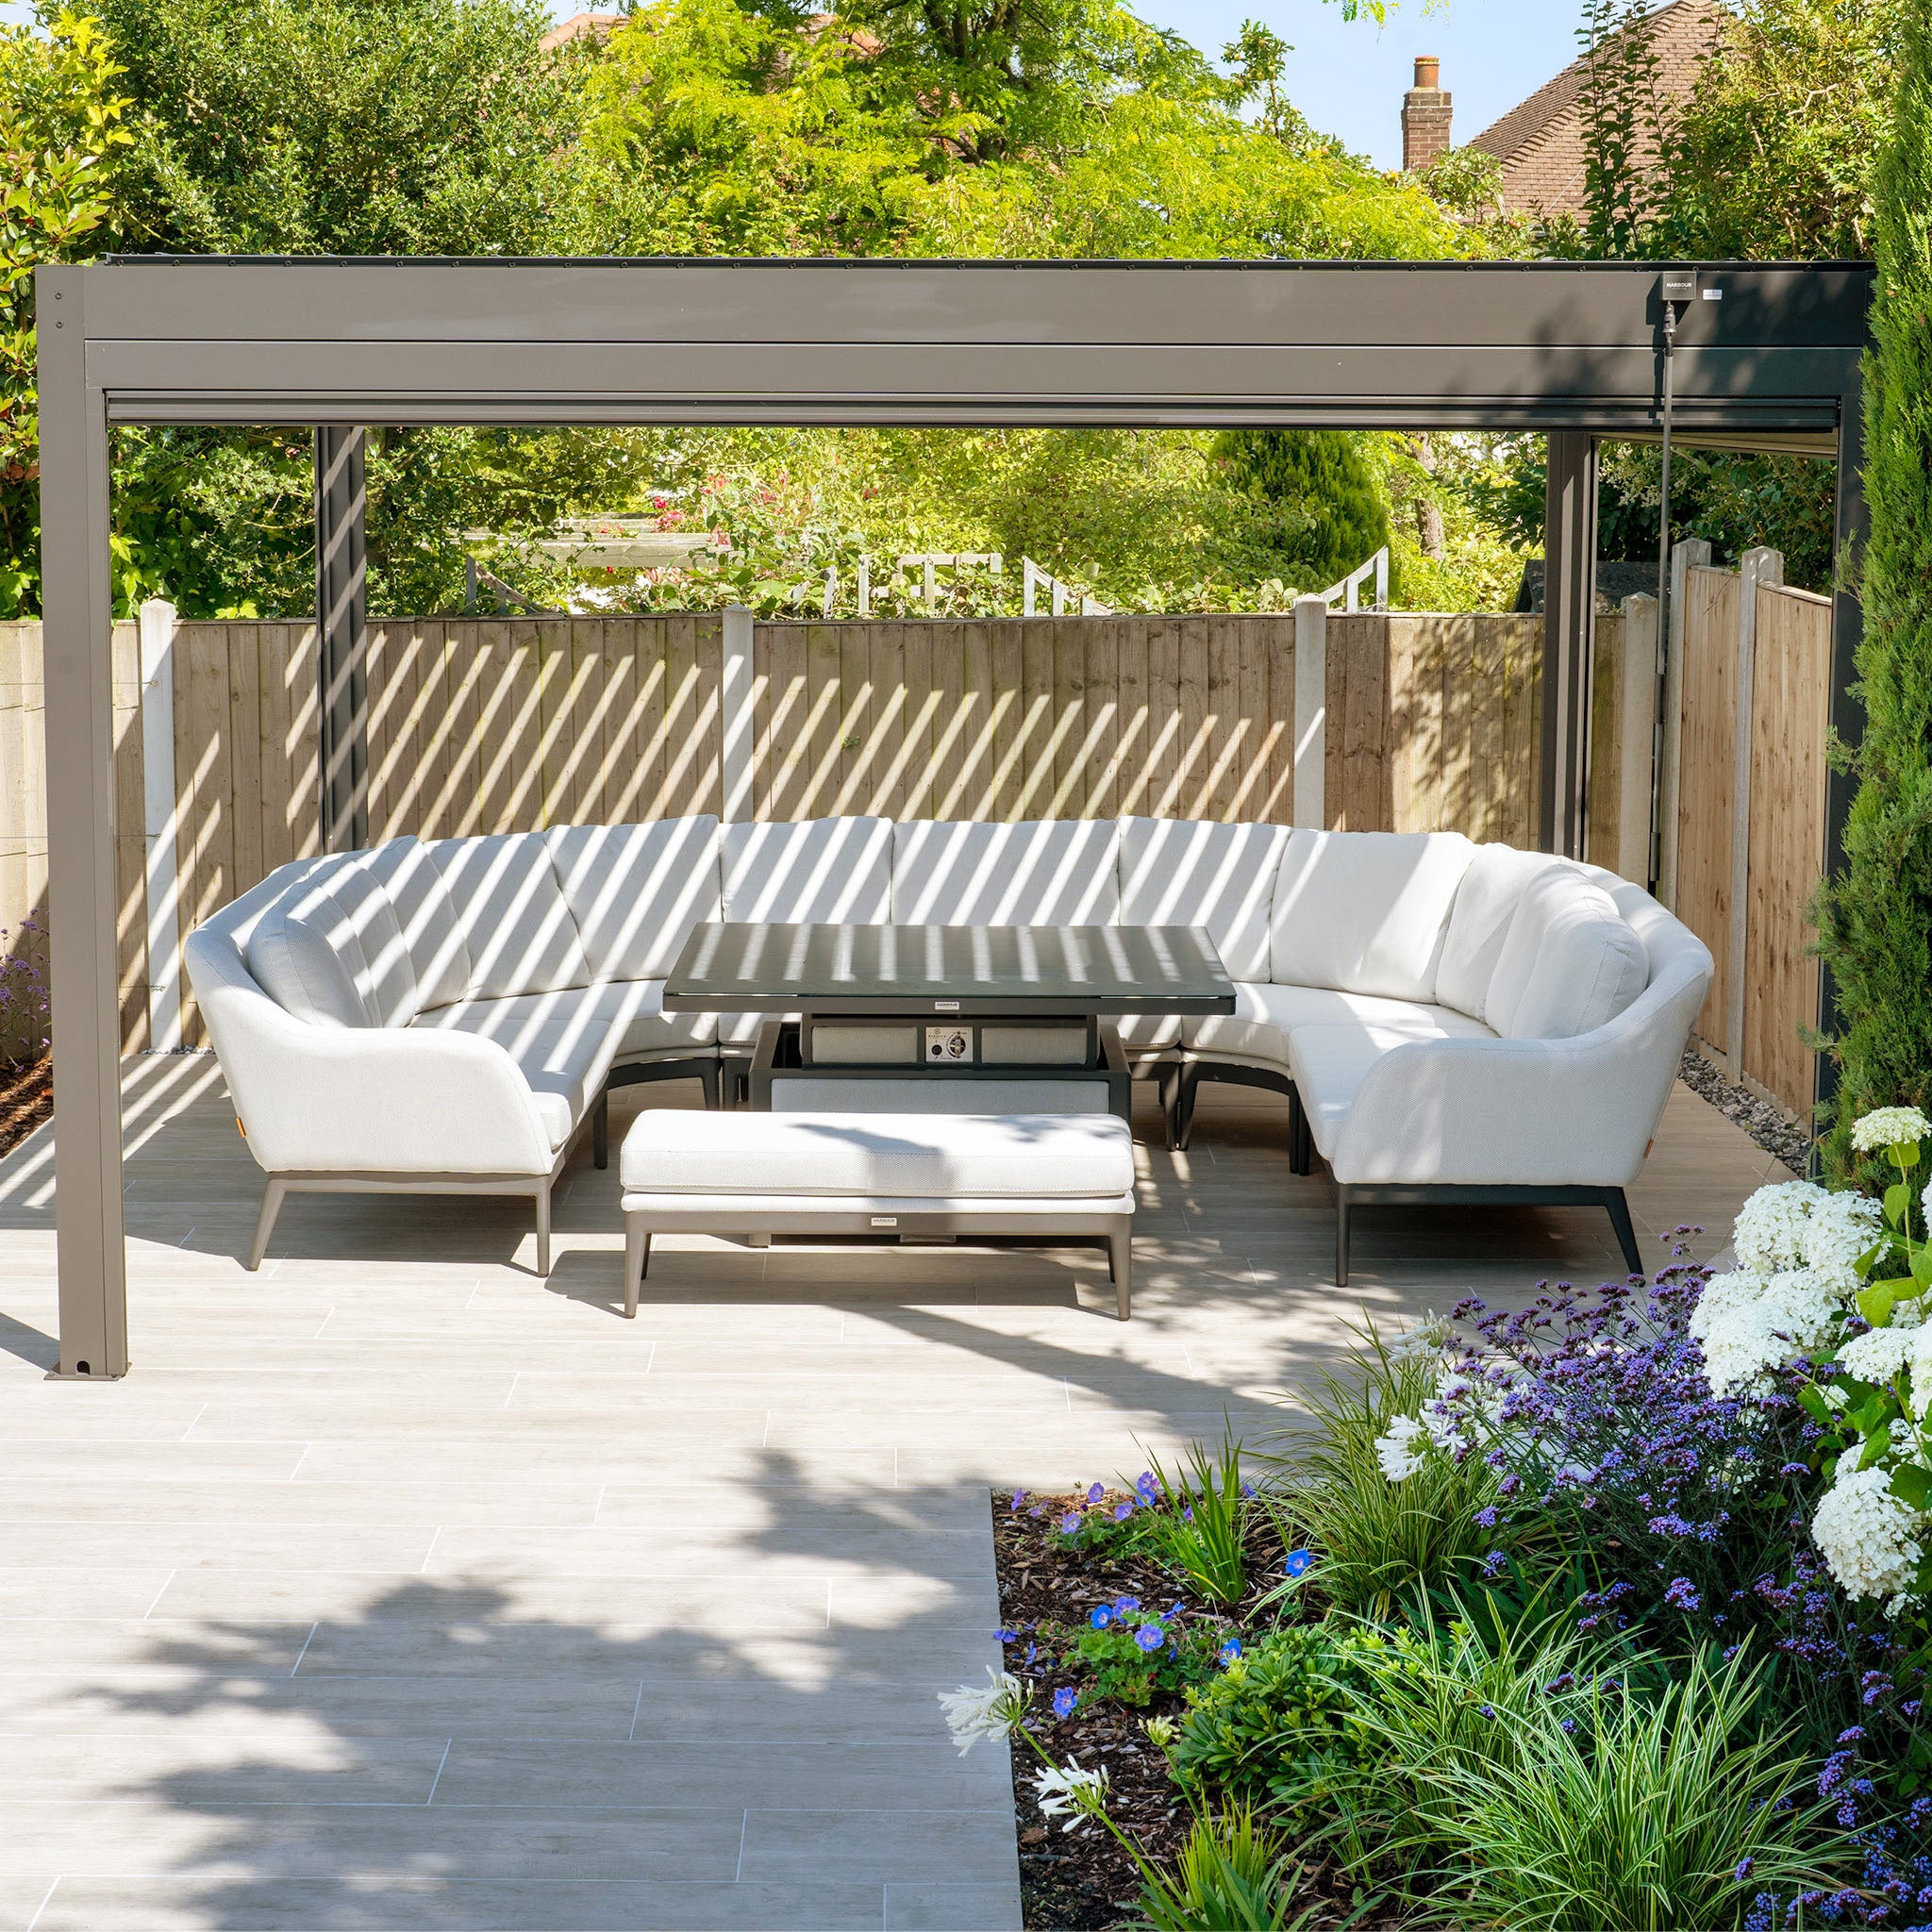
1300,1141
1618,1208
1120,1261
600,1129
1342,1207
278,1191
543,1231
1188,1090
708,1079
637,1259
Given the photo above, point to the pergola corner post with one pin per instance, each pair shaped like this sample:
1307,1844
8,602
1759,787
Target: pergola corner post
1568,638
76,603
341,635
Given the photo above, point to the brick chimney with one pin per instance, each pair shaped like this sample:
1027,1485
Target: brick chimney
1425,115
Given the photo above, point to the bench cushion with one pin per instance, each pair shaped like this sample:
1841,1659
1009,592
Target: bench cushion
1194,872
809,871
879,1155
1265,1016
1041,871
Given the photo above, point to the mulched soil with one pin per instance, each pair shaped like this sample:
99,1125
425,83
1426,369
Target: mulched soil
1083,1881
1774,1130
26,1099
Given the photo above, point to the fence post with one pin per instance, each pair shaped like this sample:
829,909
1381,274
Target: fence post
1757,569
1310,712
1693,553
158,825
735,700
1637,738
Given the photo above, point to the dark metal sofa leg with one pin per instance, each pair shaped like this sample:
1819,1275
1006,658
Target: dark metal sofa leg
600,1130
1618,1208
1300,1141
1341,1210
1188,1091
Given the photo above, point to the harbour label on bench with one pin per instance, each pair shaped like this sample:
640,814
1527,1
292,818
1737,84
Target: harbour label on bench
885,1221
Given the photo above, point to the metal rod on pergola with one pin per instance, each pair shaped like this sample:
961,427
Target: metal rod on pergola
1768,359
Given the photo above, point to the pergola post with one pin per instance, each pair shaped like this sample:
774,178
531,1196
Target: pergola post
341,640
76,604
1569,635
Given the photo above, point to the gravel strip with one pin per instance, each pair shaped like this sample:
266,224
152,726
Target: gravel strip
1770,1126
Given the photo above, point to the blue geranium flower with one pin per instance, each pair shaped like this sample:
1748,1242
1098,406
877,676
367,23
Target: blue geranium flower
1006,1636
1101,1617
1064,1700
1097,1493
1070,1523
1122,1511
1148,1488
1299,1563
1230,1650
1125,1605
1150,1636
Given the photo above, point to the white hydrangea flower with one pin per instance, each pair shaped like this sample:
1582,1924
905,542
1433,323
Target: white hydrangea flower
1889,1126
1072,1792
993,1713
1919,1362
1879,1356
1397,1448
1722,1295
1865,1535
1769,1234
1794,1313
1838,1230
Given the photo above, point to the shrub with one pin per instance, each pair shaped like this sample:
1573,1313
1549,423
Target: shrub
1378,1539
1198,1524
1231,1876
1129,1652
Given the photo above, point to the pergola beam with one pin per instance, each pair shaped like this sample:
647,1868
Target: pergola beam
1568,348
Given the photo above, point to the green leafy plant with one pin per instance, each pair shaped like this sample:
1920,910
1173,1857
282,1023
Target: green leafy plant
1378,1539
1199,1522
1128,1653
1231,1876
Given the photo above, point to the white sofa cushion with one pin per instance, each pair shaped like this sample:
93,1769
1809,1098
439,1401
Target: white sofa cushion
1040,872
809,871
303,955
1569,964
513,915
1486,902
1364,911
1265,1016
983,1157
426,913
1329,1064
637,890
1194,872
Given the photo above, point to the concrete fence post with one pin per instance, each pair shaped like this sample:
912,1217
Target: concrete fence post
1693,553
1637,738
160,826
1760,568
735,700
1310,712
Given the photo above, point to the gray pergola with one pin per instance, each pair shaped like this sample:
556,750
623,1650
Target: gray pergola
1766,356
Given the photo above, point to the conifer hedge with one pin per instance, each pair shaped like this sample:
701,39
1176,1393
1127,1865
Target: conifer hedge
1875,915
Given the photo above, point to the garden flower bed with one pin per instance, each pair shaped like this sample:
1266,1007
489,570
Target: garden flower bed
26,1099
1611,1609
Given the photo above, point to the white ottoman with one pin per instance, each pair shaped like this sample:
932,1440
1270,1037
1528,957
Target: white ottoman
1043,1175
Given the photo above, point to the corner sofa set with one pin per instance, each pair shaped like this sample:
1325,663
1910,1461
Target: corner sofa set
1449,1021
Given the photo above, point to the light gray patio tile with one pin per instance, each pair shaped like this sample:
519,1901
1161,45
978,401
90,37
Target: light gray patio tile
401,1504
111,1643
915,1907
409,1904
148,1462
111,1593
218,1545
22,1895
797,1548
208,1768
810,1847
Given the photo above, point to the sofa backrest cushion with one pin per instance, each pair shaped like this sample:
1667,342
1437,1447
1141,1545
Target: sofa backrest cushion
512,914
432,936
809,871
1486,902
1194,872
1041,871
1569,962
1364,911
305,954
637,890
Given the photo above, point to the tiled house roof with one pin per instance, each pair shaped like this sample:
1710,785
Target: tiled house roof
1540,143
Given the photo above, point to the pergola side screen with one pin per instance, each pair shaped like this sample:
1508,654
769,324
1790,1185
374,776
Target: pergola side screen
1569,349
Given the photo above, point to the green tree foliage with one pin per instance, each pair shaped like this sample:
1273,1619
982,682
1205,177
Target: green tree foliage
61,144
1875,924
1331,510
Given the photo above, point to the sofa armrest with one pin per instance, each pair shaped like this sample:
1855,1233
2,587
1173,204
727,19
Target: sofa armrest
1522,1112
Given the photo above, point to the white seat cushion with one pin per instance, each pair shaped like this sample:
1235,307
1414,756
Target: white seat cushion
1569,964
1266,1015
636,891
1364,911
566,1040
513,915
809,871
1041,871
1194,872
1329,1064
838,1155
1486,902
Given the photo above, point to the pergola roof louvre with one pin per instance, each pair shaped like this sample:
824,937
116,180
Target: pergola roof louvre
1569,348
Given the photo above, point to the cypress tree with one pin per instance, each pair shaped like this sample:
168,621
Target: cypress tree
1333,514
1875,915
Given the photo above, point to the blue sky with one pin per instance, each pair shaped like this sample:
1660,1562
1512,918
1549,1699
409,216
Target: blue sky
1349,77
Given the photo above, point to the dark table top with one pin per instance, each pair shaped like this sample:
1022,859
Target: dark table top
901,970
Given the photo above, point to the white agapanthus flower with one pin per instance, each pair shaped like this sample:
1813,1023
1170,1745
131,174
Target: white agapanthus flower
1769,1234
1792,1314
1865,1535
1399,1448
1071,1792
993,1713
1878,1356
1889,1126
1838,1230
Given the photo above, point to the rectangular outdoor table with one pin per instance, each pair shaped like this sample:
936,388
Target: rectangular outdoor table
968,1003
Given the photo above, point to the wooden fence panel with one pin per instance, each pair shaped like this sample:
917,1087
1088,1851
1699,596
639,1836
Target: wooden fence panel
1790,708
1704,787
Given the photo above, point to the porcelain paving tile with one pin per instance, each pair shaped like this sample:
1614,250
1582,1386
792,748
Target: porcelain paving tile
808,1847
914,1906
